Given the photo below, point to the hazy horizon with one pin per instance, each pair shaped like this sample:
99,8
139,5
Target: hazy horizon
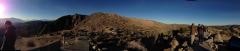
209,12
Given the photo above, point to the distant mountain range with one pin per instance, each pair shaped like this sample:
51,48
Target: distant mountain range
14,20
17,22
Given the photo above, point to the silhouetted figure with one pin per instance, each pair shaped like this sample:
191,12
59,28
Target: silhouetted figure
10,36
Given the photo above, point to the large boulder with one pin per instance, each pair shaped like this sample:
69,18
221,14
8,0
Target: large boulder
218,38
174,43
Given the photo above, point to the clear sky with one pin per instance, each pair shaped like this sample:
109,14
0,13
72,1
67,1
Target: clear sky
211,12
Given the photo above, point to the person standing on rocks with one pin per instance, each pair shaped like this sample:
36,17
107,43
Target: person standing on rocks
9,37
192,33
201,30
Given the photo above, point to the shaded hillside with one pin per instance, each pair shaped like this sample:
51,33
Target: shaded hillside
65,22
42,27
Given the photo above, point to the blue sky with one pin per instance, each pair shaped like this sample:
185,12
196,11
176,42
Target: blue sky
210,12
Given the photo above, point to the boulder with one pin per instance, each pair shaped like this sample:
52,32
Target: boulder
174,43
218,38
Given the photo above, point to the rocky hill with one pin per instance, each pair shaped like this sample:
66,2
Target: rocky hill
39,27
95,22
99,21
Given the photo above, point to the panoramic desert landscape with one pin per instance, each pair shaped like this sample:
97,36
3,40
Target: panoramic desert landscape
120,25
111,32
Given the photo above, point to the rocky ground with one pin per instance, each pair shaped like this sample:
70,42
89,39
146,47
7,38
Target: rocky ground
116,39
